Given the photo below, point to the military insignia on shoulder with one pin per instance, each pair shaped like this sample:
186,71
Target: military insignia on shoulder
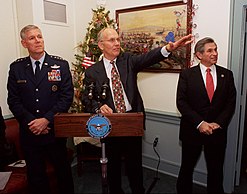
57,57
20,59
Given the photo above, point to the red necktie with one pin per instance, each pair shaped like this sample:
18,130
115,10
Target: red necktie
117,90
209,84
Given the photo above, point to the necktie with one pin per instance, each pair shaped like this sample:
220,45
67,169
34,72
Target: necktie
117,90
209,84
37,69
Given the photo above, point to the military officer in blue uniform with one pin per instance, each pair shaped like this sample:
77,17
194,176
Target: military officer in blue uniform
39,86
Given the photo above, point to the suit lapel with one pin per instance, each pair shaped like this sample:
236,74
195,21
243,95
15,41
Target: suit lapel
45,68
122,68
101,72
29,71
220,80
101,78
44,71
199,79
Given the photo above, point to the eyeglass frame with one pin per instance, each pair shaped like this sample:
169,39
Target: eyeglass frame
112,40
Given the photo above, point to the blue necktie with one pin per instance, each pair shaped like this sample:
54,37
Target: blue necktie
37,69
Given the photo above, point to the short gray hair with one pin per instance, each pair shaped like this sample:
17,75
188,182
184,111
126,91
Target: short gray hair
26,29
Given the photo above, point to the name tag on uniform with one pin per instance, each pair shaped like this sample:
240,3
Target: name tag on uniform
54,75
21,81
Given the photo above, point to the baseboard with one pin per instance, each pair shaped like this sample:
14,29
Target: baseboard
171,169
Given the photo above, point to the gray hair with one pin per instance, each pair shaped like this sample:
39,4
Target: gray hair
101,32
199,47
26,29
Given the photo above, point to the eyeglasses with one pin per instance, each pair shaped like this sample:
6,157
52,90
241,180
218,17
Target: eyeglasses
112,40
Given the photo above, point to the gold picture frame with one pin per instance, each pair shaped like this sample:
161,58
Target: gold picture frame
144,28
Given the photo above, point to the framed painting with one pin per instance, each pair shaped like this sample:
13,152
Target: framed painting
144,28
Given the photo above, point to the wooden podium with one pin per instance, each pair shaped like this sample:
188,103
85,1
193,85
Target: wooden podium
74,124
122,124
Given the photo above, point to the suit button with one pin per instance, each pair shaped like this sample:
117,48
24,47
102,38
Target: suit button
36,89
37,100
37,111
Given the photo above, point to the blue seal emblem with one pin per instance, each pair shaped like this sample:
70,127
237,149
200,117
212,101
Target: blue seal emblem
98,126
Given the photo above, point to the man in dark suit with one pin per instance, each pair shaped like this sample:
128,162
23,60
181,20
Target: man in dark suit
127,67
205,116
34,97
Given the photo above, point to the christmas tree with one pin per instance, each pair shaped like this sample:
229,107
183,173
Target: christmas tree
88,53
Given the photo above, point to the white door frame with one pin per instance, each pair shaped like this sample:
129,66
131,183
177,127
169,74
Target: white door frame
236,64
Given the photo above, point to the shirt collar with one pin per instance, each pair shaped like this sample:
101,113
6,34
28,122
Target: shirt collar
204,68
41,60
108,62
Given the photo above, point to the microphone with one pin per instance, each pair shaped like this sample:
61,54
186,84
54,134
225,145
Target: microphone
104,89
90,90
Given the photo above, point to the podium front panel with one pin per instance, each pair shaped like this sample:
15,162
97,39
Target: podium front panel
122,124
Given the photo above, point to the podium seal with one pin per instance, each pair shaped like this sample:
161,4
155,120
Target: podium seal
98,126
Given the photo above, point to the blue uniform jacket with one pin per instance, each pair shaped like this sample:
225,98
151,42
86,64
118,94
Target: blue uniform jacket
29,98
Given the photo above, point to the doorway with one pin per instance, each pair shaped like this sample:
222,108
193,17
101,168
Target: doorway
238,64
241,171
243,167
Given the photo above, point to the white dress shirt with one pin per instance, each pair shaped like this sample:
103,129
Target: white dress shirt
213,73
108,67
41,60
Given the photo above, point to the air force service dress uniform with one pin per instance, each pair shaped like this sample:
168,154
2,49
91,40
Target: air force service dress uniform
30,98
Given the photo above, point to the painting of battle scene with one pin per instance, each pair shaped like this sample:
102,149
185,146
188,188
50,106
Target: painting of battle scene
145,28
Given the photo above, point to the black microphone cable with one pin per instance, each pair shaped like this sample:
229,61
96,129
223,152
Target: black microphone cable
156,177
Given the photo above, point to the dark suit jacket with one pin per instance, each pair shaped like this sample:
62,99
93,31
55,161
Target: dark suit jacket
29,99
128,66
2,125
194,105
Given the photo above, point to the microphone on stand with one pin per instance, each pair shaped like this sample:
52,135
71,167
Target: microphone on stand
104,89
91,87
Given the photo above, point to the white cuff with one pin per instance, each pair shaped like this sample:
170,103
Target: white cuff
164,52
